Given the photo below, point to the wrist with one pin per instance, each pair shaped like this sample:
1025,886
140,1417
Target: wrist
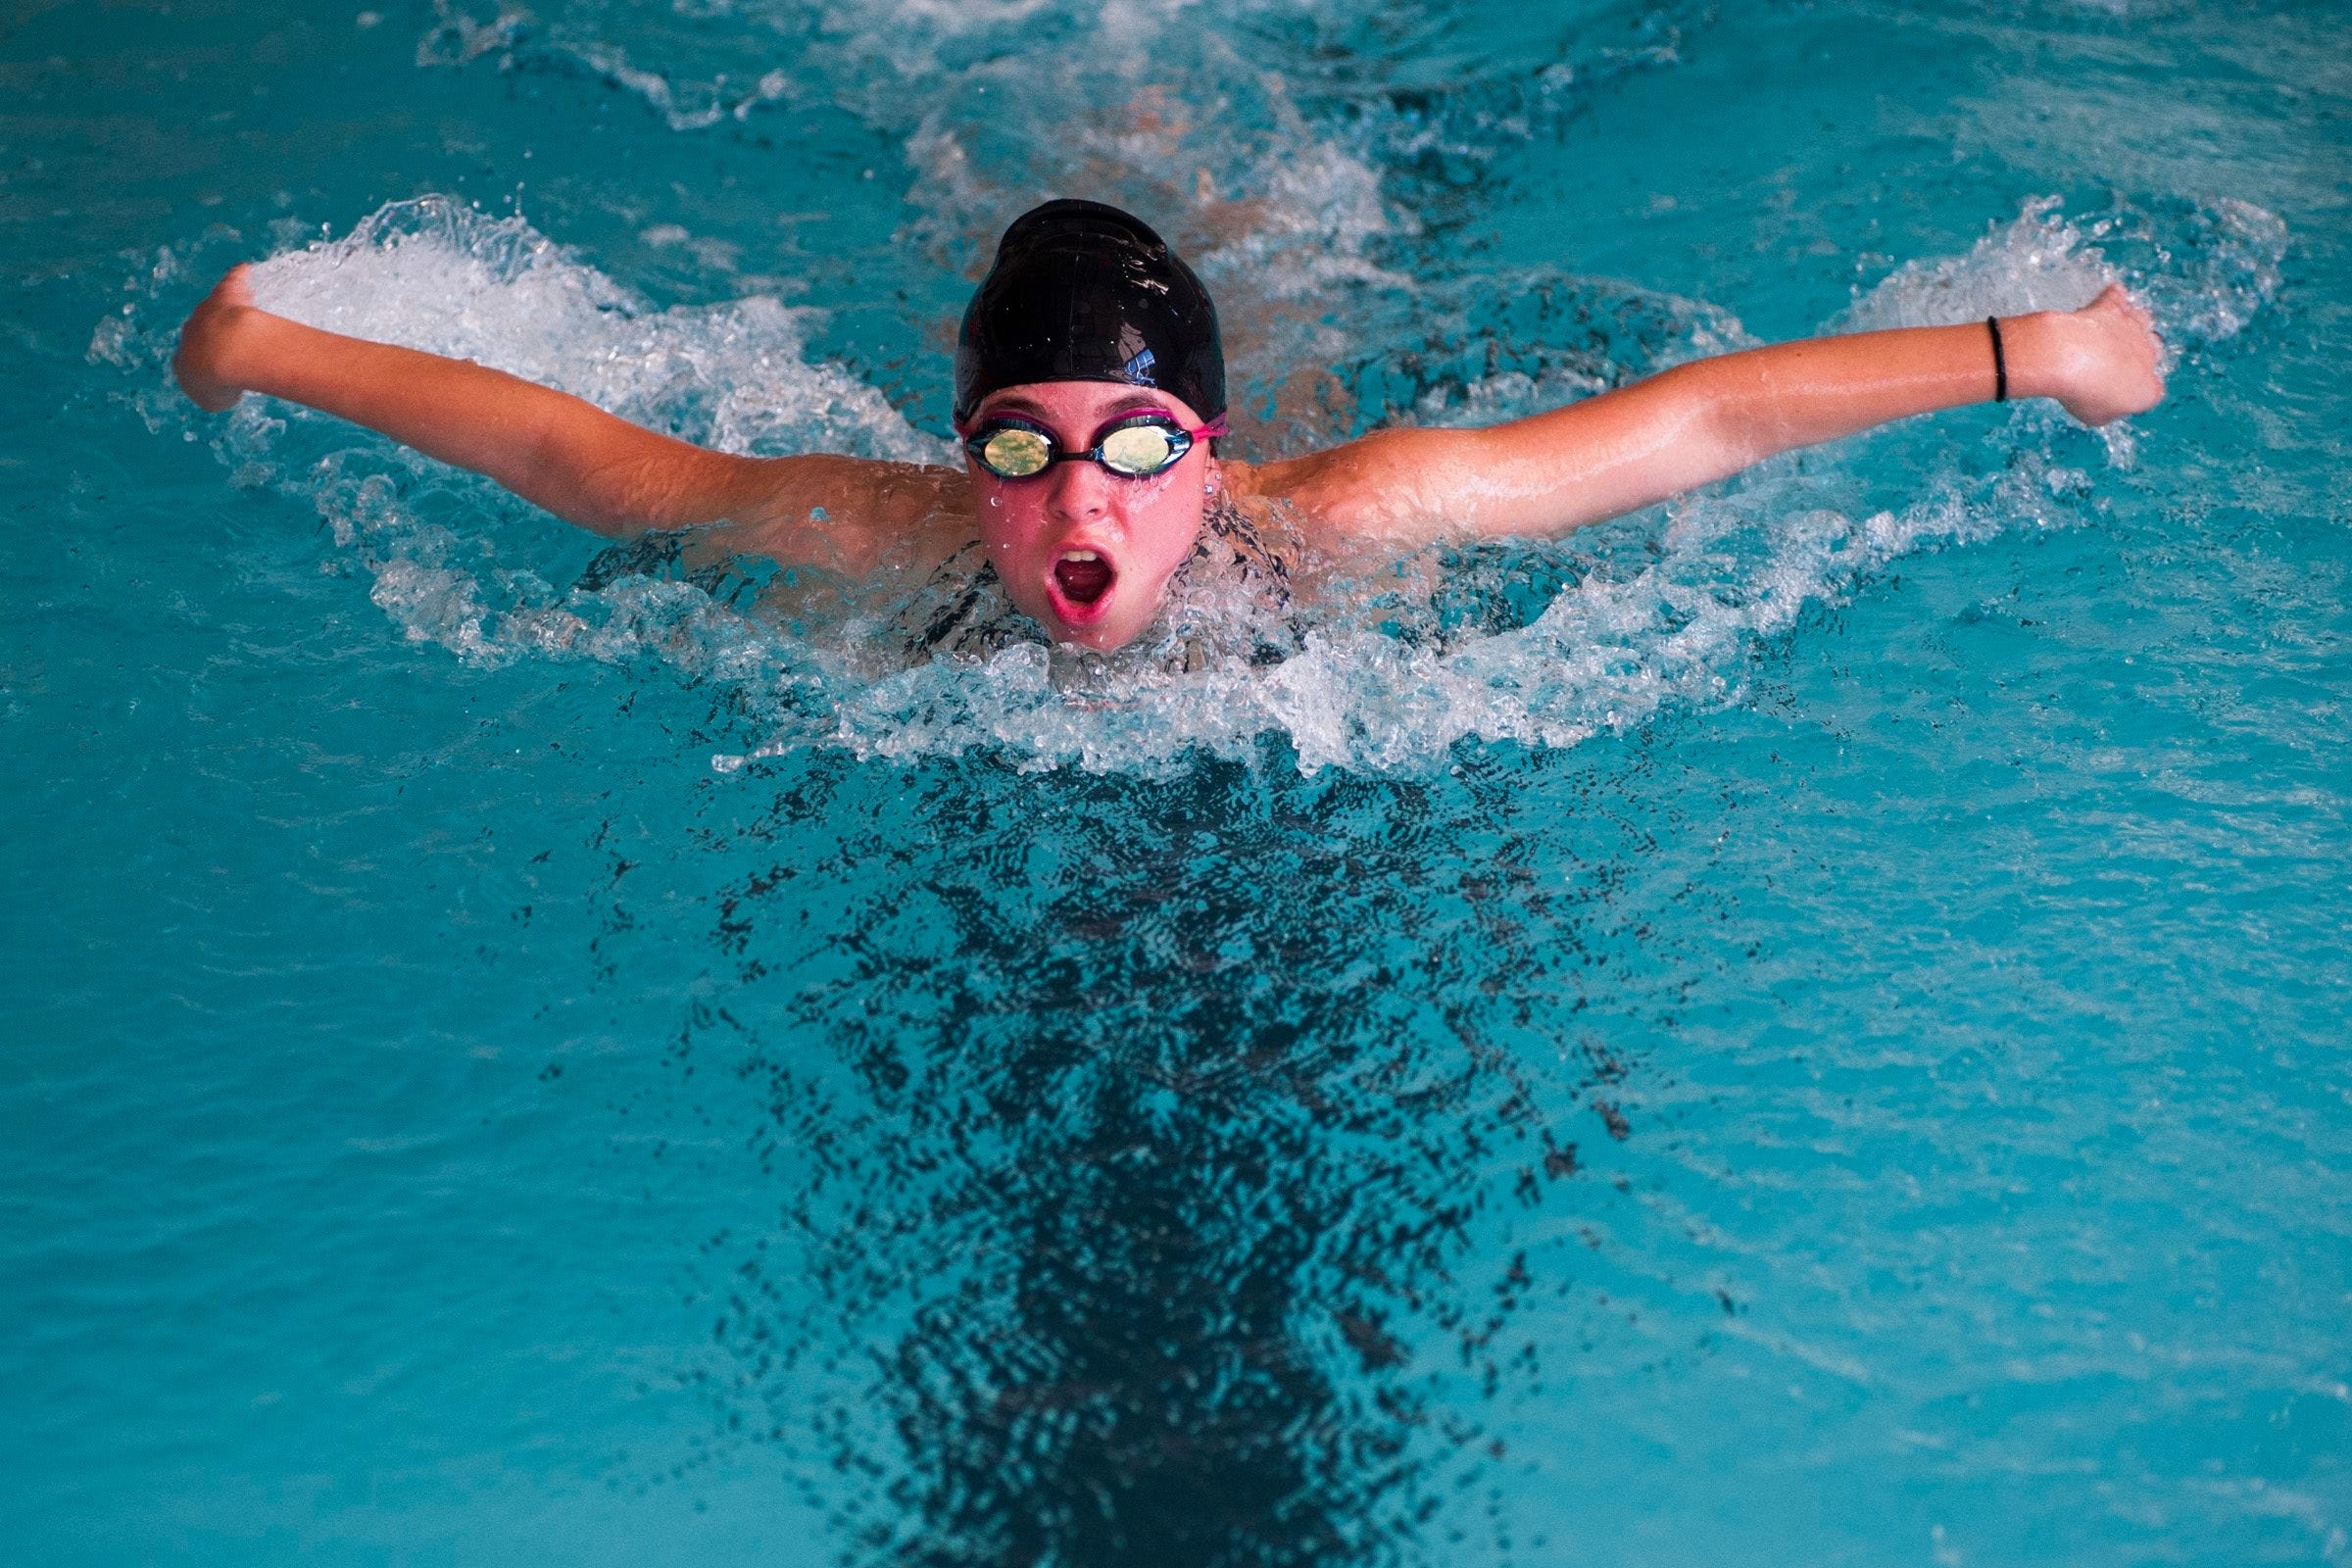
2043,359
241,351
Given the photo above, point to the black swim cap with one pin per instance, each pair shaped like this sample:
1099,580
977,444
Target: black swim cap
1084,292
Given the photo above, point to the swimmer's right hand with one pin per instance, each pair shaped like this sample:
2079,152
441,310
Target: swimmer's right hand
202,360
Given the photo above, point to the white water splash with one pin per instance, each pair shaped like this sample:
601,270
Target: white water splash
1388,675
440,276
2204,268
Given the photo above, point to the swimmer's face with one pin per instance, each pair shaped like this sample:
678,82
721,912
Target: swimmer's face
1040,531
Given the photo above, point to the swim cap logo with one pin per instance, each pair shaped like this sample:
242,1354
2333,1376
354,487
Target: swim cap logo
1134,353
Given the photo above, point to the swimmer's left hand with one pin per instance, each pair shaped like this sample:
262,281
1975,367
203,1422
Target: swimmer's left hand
2099,361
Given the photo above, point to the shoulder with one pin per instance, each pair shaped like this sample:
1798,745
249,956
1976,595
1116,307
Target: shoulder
1384,485
853,516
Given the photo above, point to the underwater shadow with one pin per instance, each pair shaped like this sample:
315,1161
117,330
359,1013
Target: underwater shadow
1166,1170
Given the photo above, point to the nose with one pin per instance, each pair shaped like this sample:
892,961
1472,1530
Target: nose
1077,492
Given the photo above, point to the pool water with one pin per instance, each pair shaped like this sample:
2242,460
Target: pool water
1805,1026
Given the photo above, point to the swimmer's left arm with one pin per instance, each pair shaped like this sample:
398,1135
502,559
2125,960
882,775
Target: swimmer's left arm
1706,420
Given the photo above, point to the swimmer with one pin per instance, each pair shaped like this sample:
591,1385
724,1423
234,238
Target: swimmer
1090,394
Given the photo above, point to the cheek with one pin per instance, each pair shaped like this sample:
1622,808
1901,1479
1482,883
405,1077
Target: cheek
1008,521
1166,518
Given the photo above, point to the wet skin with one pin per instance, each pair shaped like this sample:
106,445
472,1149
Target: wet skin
1039,531
1390,491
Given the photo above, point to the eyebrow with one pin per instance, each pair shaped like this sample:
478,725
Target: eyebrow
1118,406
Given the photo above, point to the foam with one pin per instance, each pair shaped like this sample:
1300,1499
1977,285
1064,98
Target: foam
1383,674
438,274
2205,269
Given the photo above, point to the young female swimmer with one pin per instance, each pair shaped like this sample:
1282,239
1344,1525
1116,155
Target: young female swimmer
1090,384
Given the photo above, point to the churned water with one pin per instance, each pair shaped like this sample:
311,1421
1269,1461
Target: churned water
1805,1026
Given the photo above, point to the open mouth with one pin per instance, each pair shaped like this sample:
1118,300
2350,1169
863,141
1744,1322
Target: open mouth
1082,581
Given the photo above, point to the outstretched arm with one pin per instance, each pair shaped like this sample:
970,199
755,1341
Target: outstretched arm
1706,420
580,463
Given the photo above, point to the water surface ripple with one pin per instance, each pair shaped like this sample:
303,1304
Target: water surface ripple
1806,1026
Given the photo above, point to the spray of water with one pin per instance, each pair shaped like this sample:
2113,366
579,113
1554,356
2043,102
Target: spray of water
1290,150
1538,643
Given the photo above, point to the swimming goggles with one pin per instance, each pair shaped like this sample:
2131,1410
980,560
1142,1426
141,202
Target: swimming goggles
1137,446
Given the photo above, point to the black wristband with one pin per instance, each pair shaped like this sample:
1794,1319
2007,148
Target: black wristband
2000,363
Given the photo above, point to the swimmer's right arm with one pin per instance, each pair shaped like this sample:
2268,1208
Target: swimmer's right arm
587,466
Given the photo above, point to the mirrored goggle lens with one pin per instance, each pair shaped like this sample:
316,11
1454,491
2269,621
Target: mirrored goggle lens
1015,453
1140,449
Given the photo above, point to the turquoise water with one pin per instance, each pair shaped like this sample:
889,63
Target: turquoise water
1804,1027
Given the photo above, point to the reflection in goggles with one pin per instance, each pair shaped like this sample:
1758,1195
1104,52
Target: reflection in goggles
1140,449
1132,451
1014,453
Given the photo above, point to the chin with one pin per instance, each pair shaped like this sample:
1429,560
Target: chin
1104,635
1084,597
